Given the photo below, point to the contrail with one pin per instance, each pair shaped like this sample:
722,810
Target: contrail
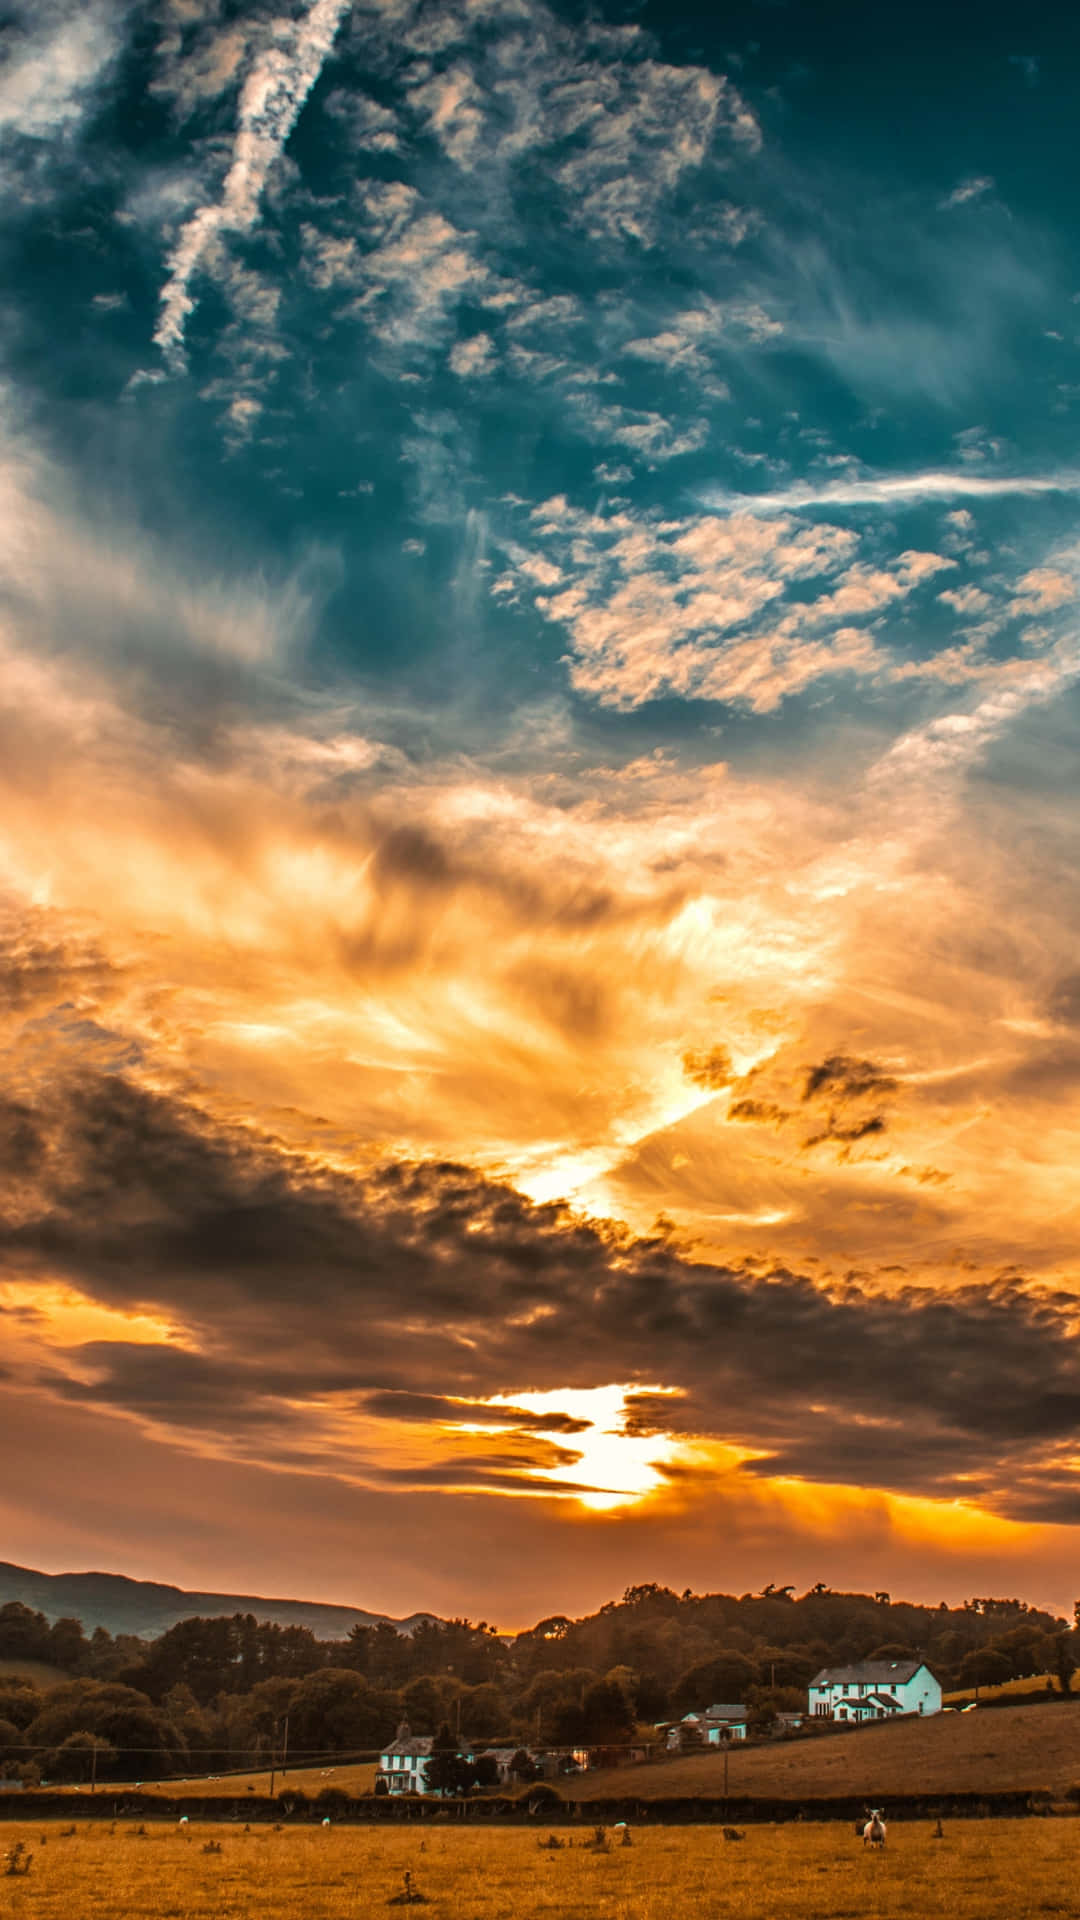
903,488
270,103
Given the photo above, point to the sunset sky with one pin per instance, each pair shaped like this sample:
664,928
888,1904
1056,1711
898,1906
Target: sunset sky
539,683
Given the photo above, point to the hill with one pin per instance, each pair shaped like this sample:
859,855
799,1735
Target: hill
146,1608
1016,1749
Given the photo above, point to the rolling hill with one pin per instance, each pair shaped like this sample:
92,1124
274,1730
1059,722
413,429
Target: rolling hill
146,1608
1014,1749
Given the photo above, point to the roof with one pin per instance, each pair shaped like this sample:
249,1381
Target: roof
715,1714
889,1673
412,1743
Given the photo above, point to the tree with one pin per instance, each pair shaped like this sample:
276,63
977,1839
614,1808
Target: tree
24,1634
337,1710
482,1711
422,1703
444,1770
724,1678
523,1767
1064,1663
984,1668
82,1756
606,1713
68,1645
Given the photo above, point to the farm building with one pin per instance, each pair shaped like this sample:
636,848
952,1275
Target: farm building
874,1690
711,1727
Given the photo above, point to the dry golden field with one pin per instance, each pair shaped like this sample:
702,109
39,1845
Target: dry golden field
1013,1749
981,1870
1036,1683
359,1778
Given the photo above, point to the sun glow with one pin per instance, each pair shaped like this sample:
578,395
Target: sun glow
617,1468
58,1315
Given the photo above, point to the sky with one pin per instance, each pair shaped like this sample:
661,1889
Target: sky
539,681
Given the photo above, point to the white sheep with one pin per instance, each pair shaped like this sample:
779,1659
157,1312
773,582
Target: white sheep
873,1834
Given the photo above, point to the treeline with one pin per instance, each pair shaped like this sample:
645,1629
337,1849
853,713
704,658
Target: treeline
213,1694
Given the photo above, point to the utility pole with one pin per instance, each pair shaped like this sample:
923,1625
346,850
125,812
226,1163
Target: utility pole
93,1767
273,1754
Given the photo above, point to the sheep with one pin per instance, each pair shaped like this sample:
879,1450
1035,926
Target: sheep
873,1834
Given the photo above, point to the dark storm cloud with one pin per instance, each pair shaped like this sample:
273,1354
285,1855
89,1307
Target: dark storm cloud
429,1280
841,1077
439,1407
177,1386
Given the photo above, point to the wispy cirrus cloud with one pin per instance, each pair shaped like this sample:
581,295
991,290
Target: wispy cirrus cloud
972,188
889,490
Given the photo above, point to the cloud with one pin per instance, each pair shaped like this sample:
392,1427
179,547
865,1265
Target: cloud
966,600
297,1272
709,1067
472,357
271,99
714,607
892,490
973,188
43,960
758,1113
588,108
841,1077
846,1135
438,1407
57,66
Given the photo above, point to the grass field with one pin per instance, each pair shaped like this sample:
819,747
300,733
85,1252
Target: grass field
1025,1748
38,1671
1037,1683
311,1780
981,1870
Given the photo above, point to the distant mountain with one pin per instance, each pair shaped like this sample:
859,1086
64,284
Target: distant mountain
144,1607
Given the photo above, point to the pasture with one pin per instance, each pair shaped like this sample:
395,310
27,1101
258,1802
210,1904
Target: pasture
1038,1683
351,1776
1035,1749
39,1672
980,1870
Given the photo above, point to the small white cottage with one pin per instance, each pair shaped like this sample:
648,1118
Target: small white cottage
713,1726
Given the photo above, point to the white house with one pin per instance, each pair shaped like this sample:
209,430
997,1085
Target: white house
403,1764
874,1690
715,1725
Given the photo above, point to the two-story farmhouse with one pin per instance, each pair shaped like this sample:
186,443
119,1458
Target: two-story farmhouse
874,1690
403,1764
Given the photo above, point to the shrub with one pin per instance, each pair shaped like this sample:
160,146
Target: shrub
333,1800
541,1796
